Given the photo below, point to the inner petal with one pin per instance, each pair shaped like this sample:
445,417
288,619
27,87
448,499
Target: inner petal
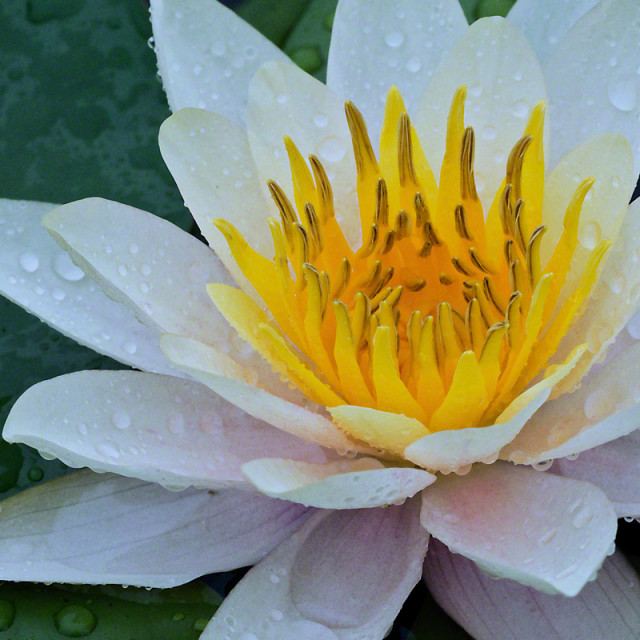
442,314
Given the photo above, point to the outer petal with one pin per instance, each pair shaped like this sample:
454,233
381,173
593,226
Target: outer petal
612,304
502,609
343,576
448,451
504,81
145,263
156,428
614,467
378,44
603,408
544,531
207,55
546,22
301,419
210,160
593,81
283,100
107,529
345,484
36,274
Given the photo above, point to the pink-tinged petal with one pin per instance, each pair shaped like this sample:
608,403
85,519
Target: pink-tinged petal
344,484
593,81
378,44
207,55
285,101
452,450
615,298
146,263
100,529
157,428
504,82
294,415
546,22
342,576
607,608
602,409
39,276
540,529
210,160
614,467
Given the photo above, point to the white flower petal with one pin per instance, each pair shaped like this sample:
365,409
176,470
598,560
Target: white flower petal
489,609
613,302
167,430
343,576
299,419
546,22
207,55
603,408
285,101
542,530
145,263
504,82
614,467
593,81
450,450
378,44
39,276
210,160
344,484
101,529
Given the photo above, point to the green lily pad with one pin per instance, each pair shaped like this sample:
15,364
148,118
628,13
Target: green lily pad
104,613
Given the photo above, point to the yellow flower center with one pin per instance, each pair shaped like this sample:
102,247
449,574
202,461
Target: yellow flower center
441,315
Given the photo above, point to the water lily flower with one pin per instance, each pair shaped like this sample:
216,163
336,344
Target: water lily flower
426,290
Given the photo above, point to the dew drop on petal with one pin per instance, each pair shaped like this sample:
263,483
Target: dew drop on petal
63,266
130,347
394,39
623,95
414,64
582,516
29,261
120,419
589,235
331,149
58,294
320,120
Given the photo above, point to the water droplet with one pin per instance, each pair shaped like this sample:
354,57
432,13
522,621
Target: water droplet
58,294
282,98
7,614
145,270
451,518
276,614
543,465
63,266
589,235
274,578
107,450
489,132
582,516
394,39
144,287
218,49
120,419
175,423
35,474
520,109
151,43
200,624
547,537
133,248
414,64
623,95
130,347
75,621
320,120
331,149
82,428
29,261
122,270
178,616
475,90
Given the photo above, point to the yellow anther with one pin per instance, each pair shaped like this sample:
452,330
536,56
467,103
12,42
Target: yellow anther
323,188
406,170
381,215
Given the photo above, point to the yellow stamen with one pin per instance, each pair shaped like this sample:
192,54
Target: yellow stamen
439,316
